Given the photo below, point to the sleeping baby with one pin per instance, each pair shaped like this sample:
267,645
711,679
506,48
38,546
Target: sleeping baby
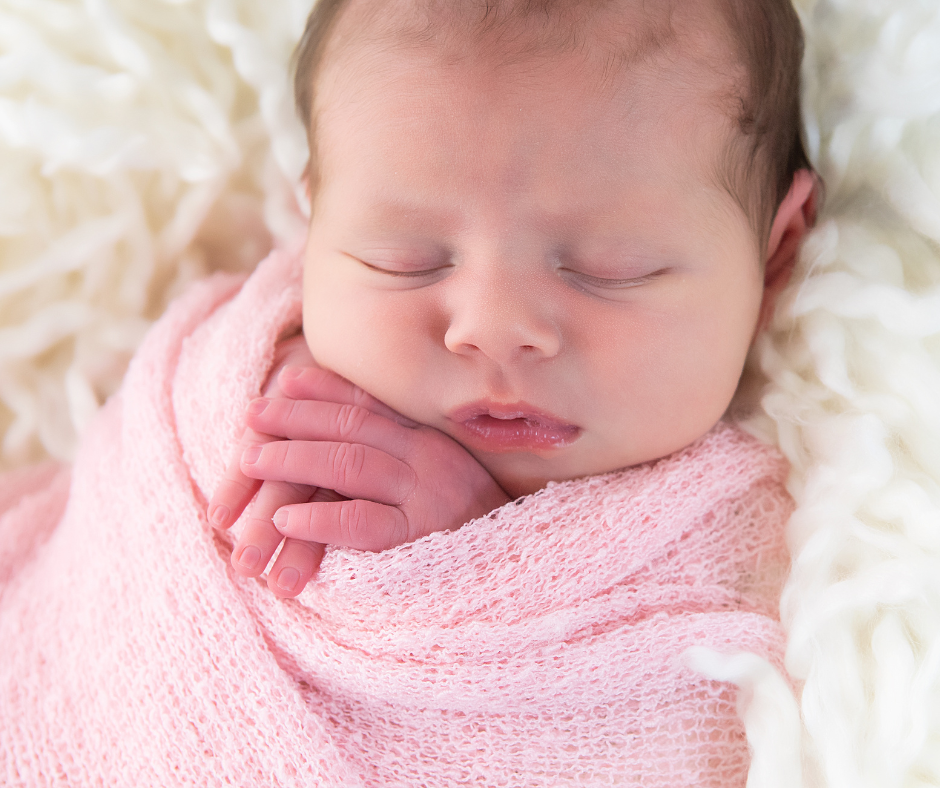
544,236
491,481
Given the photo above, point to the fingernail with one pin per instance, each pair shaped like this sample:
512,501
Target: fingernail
289,373
280,519
251,455
256,408
287,578
219,515
249,557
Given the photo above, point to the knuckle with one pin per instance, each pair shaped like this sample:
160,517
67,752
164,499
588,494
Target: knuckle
347,462
353,523
287,455
294,412
348,420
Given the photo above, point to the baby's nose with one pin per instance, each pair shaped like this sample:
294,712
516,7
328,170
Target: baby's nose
505,320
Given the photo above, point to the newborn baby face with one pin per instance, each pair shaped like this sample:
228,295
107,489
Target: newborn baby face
533,256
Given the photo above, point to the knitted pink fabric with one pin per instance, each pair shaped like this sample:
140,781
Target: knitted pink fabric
541,645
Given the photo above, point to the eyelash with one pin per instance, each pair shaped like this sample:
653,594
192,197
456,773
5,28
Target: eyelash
613,284
588,279
404,274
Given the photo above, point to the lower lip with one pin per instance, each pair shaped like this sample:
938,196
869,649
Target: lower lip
491,434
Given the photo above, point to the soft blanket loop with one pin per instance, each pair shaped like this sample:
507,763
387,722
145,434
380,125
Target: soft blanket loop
540,645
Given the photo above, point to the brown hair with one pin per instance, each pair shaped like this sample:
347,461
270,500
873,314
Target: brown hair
758,163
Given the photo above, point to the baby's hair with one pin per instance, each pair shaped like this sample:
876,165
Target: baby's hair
759,161
770,148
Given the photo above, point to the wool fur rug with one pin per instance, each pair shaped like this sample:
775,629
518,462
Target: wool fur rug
137,140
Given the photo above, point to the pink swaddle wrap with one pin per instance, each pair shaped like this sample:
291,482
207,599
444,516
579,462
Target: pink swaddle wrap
541,645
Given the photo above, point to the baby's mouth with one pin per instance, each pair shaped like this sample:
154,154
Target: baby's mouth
515,427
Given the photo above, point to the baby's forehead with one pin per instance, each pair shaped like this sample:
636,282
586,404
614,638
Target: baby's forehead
658,69
621,33
737,63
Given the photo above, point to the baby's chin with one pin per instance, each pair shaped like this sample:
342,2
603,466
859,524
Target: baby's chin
524,473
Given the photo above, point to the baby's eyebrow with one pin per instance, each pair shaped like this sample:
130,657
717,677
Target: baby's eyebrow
394,213
429,216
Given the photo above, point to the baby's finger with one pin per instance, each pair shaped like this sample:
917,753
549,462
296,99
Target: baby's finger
316,383
254,547
260,538
316,420
235,490
288,352
362,525
352,469
296,563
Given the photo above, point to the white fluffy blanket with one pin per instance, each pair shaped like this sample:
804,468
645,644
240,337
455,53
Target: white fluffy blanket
135,137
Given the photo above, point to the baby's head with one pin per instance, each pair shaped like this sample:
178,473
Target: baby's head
550,228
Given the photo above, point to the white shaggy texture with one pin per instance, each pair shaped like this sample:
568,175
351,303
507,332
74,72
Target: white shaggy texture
143,144
853,361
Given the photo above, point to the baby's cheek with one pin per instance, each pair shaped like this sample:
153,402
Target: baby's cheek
377,345
662,383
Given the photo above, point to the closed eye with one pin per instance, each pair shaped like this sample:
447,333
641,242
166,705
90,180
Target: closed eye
405,274
612,284
402,273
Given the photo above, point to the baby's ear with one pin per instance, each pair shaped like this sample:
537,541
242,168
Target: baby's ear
306,208
795,217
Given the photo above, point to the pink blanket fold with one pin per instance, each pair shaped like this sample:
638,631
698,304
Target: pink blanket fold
541,645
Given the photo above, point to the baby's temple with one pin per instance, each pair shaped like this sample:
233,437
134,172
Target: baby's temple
549,401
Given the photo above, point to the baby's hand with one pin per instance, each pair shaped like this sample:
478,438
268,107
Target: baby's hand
259,539
399,480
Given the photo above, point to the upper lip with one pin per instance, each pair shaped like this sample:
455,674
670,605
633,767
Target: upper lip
511,410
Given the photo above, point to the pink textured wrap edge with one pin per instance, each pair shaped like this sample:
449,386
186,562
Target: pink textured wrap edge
540,645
